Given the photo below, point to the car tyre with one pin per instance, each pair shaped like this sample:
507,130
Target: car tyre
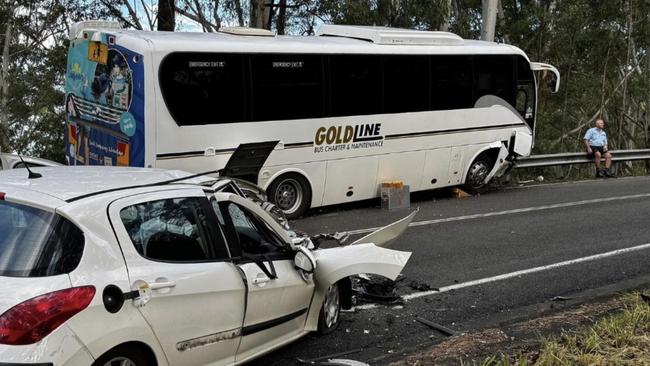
291,193
478,170
125,355
330,313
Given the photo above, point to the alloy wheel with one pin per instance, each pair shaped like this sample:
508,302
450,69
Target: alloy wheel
120,361
332,306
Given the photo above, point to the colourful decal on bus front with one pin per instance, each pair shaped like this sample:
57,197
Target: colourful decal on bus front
104,104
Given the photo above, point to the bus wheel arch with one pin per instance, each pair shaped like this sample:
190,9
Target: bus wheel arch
291,191
481,165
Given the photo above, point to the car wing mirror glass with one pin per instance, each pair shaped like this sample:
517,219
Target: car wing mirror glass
304,260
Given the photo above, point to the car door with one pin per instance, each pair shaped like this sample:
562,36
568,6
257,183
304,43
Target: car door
177,259
278,296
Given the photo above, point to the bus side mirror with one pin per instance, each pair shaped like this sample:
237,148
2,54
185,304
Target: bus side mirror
552,82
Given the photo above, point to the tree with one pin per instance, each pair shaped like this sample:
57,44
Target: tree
33,45
166,15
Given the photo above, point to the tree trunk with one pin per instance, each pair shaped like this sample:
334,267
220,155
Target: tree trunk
281,20
239,11
166,15
445,22
260,14
4,87
489,19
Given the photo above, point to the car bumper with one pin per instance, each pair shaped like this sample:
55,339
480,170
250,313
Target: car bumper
61,348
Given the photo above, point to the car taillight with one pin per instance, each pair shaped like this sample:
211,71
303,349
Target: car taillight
2,196
32,320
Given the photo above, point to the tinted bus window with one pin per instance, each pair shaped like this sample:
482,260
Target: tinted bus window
493,75
286,87
451,82
406,84
203,88
355,85
525,98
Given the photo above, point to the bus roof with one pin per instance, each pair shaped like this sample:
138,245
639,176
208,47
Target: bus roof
165,42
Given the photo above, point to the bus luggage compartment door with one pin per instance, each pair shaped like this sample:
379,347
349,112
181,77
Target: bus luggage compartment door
436,168
351,180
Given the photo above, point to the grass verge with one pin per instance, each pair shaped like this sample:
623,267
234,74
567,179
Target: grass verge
621,338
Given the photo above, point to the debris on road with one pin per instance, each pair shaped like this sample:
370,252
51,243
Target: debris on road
375,289
421,286
436,326
560,298
313,361
338,238
343,362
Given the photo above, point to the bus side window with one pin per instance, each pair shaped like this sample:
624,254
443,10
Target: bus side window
355,85
494,75
286,86
203,88
406,83
451,82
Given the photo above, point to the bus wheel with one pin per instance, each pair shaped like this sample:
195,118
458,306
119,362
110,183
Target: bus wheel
478,171
291,193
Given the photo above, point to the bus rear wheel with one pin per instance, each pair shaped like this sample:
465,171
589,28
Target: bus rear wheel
476,174
291,193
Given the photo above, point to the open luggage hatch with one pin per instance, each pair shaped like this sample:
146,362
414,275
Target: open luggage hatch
247,161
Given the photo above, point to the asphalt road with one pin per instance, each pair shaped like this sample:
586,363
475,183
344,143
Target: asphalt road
496,258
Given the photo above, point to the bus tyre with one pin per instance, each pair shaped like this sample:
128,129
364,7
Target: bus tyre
124,355
330,312
291,193
478,171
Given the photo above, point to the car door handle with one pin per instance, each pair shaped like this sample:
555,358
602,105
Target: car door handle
261,281
162,285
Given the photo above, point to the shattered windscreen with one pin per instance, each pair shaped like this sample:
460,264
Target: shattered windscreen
36,243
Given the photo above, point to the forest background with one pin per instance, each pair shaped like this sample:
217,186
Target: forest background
599,46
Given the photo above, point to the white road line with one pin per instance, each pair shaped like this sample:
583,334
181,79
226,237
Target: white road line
522,272
510,212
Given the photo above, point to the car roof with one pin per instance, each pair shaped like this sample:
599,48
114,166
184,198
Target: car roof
69,182
12,159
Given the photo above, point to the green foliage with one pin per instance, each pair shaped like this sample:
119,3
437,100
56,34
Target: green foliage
37,59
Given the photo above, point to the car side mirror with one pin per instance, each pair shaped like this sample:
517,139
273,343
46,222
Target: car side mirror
304,260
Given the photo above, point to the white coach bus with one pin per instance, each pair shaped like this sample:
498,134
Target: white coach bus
349,108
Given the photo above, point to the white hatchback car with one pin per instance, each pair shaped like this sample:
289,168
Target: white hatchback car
127,266
13,161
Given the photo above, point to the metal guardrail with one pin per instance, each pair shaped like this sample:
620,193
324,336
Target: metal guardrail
535,161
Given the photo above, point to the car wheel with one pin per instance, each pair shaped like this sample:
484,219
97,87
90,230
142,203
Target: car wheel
478,171
126,355
330,312
291,193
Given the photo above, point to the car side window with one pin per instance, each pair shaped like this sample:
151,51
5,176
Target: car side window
253,236
174,229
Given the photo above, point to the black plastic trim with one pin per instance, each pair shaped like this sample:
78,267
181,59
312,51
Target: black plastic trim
255,328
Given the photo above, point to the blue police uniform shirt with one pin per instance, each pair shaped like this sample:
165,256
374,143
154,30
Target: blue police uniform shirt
596,137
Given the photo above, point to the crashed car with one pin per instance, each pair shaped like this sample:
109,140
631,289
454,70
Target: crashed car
103,266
